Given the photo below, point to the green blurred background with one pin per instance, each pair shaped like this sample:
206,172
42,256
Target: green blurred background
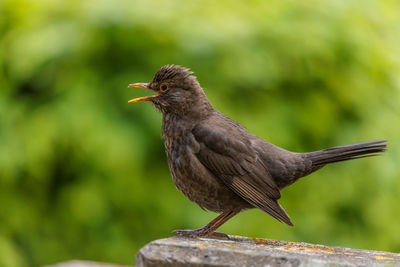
83,174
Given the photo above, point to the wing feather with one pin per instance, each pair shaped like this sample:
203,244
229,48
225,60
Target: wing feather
239,167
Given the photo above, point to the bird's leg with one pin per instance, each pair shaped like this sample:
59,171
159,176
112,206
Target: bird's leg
209,229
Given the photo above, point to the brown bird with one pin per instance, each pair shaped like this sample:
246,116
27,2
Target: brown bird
216,163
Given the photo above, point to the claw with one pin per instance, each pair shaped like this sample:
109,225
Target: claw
198,233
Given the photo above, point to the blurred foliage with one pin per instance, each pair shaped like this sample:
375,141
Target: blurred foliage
83,174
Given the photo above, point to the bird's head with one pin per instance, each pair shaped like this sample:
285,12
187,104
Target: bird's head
177,91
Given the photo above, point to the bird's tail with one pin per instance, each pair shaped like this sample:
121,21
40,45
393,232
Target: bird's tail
343,153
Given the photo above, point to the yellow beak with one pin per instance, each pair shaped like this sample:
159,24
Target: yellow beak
144,98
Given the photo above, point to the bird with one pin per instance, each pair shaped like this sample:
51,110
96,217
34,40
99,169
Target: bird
216,163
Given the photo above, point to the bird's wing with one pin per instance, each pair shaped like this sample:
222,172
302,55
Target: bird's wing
237,164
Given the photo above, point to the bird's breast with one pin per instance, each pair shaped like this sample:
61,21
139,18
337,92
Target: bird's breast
175,131
190,176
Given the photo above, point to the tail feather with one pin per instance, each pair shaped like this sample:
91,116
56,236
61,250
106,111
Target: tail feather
349,152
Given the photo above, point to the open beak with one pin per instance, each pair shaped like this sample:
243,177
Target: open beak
144,98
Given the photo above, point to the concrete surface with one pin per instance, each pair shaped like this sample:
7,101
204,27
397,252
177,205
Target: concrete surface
241,251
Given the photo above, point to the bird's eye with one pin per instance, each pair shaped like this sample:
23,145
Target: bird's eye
163,87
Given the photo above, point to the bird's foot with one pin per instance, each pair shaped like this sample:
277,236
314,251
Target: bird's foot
200,233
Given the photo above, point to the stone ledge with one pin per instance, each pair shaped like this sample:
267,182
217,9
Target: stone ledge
241,251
